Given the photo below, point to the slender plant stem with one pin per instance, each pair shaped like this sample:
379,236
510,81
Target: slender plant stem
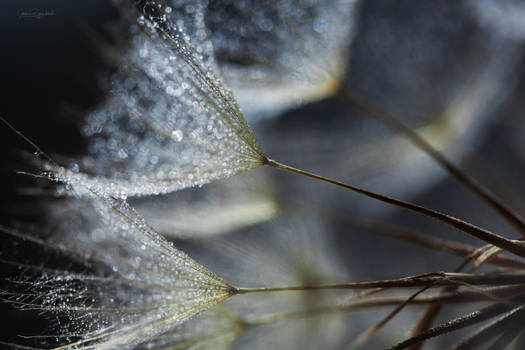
433,279
366,335
468,296
431,312
357,304
484,334
484,235
394,231
491,199
473,318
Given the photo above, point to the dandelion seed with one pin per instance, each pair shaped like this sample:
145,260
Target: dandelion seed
143,290
277,55
285,251
176,111
143,285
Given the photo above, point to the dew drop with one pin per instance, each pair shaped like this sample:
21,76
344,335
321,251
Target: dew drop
74,167
122,154
177,135
98,235
319,25
170,90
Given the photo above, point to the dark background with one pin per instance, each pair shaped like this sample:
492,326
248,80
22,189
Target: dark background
50,69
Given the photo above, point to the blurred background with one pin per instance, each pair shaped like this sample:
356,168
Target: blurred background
451,70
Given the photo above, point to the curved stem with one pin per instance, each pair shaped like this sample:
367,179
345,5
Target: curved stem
433,279
394,231
357,304
478,232
367,304
483,335
372,110
431,312
366,335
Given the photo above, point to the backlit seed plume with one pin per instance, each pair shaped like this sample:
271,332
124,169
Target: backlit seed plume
220,208
216,329
170,123
282,252
278,54
505,18
139,284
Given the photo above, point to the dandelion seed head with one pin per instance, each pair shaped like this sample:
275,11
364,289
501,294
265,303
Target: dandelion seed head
278,55
218,328
136,285
170,106
286,251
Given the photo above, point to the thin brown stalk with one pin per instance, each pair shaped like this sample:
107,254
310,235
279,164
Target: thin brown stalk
455,324
366,106
358,304
433,279
483,335
369,333
397,232
427,317
431,312
478,232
